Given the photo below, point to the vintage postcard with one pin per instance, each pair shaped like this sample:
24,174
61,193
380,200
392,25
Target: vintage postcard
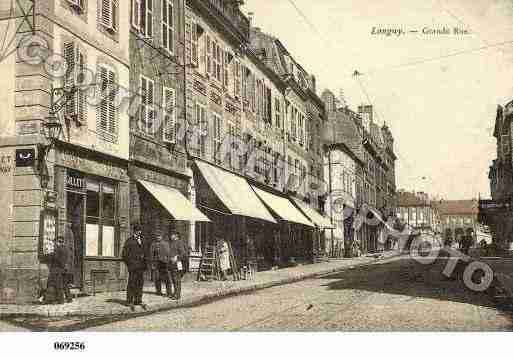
256,166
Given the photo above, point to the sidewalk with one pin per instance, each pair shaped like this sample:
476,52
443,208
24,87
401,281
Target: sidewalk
193,293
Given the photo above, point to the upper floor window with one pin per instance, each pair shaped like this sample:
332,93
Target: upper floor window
277,112
237,78
218,126
168,32
78,5
169,115
76,63
505,139
147,110
108,15
107,111
142,16
191,39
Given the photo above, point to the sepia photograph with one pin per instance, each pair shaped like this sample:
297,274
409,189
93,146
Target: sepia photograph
284,166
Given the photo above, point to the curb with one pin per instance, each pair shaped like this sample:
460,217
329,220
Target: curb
194,301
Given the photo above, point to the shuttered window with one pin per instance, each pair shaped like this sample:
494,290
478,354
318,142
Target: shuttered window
218,126
147,109
209,54
237,79
136,14
168,32
169,108
277,112
107,125
108,14
146,17
76,65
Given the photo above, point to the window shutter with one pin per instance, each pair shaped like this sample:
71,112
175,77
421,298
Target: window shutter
81,93
136,12
112,96
106,13
104,106
150,112
149,18
209,54
69,79
114,9
169,129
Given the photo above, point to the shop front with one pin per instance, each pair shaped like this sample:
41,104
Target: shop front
92,216
318,235
296,230
237,215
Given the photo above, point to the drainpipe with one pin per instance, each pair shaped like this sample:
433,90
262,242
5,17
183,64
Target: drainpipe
331,197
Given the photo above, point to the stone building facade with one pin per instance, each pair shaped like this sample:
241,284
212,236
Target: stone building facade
80,183
418,211
371,150
496,212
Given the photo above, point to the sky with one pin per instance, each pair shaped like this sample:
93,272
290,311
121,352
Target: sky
437,93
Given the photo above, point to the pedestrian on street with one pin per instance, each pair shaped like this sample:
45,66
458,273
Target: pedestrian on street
185,250
69,265
56,290
134,257
177,251
224,257
160,257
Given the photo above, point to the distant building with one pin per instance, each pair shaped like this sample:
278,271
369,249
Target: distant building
418,211
360,170
458,218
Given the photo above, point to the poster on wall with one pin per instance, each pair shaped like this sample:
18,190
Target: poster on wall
48,232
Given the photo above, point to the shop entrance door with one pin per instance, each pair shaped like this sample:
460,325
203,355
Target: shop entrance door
75,220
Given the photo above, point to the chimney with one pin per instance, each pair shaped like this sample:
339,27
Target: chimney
250,18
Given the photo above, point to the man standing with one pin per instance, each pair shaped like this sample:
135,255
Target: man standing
160,258
57,265
133,257
176,251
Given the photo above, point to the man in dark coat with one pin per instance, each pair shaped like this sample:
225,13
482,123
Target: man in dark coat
177,251
57,264
134,258
160,258
69,267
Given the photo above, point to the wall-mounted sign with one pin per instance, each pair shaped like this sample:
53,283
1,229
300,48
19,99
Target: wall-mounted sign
25,157
48,231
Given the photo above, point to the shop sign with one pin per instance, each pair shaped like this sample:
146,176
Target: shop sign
96,166
75,180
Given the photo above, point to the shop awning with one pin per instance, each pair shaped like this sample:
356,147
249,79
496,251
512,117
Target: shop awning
283,207
235,192
314,216
179,207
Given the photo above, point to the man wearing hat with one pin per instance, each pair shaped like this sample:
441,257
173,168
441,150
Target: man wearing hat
134,258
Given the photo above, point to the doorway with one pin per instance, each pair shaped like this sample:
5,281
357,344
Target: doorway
75,222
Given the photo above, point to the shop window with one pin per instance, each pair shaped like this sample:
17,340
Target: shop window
100,220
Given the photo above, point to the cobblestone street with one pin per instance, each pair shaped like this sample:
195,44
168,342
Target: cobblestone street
396,294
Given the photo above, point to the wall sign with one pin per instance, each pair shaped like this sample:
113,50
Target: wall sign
25,157
48,231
